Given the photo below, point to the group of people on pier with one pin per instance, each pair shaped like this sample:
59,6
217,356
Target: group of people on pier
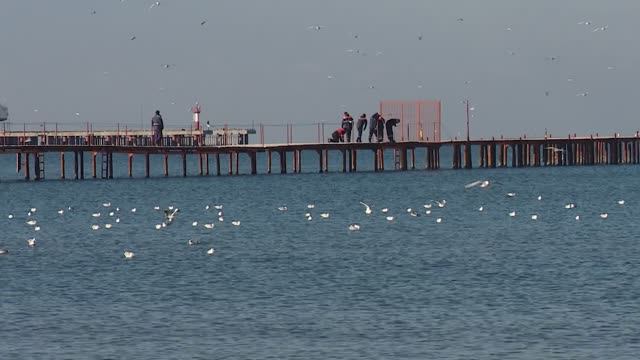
377,126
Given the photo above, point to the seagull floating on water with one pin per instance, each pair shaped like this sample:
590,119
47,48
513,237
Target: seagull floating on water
512,214
128,254
31,242
604,215
354,227
282,208
235,223
324,215
211,251
95,227
367,208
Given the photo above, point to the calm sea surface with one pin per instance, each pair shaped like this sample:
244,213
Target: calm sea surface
477,285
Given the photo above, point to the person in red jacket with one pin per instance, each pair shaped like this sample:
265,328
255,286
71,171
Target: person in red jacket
338,135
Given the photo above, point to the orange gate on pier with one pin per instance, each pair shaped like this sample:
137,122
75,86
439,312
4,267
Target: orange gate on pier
420,120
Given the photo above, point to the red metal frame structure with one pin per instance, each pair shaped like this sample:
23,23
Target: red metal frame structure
420,120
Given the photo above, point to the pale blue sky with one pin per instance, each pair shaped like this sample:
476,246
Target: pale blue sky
256,61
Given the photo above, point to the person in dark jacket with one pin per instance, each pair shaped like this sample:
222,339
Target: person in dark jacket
373,126
389,125
380,128
157,125
347,125
337,136
361,125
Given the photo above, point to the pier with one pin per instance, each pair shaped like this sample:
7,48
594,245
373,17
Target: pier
97,152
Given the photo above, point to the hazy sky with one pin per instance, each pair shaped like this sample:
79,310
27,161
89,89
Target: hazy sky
522,64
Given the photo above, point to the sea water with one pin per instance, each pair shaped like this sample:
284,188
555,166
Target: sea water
476,285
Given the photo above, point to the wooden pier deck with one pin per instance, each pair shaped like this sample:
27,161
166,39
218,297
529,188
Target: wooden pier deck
493,153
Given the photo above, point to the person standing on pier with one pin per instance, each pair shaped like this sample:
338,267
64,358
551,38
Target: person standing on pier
157,125
390,124
380,128
373,126
347,125
361,126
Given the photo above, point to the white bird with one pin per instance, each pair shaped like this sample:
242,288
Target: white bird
4,251
29,213
367,208
282,208
61,211
193,242
481,208
311,206
209,226
128,254
309,218
95,215
107,204
206,207
111,213
620,202
158,226
33,210
171,207
31,242
95,227
438,220
32,222
155,4
210,251
117,220
354,227
134,210
442,203
511,194
473,184
324,215
219,213
36,228
10,216
604,215
534,217
235,222
221,219
164,224
195,223
570,206
428,212
409,210
413,213
218,207
107,226
156,207
484,184
512,214
539,197
577,217
389,218
427,206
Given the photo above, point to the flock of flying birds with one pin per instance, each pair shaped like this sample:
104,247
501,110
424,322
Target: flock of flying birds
170,214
